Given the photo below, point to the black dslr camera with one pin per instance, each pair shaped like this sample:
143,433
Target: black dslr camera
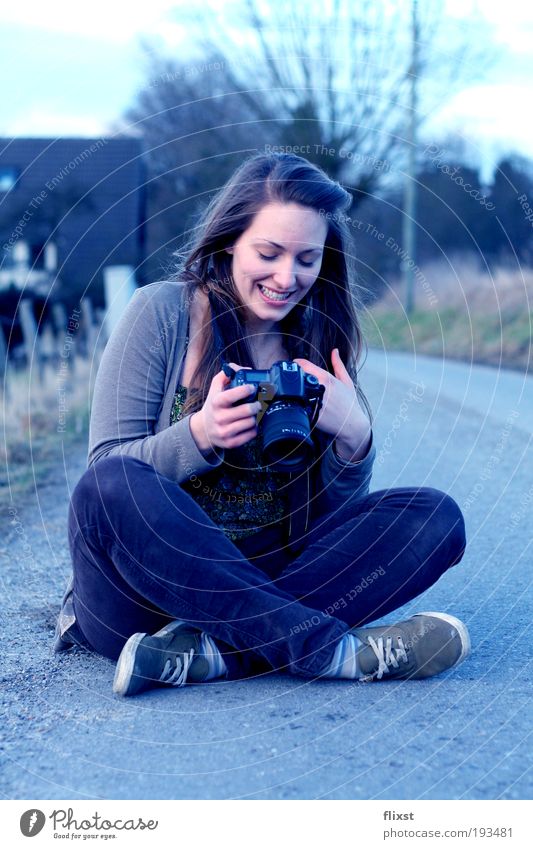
290,403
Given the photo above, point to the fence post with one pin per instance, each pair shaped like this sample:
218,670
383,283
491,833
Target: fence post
119,286
66,356
4,364
29,332
60,317
88,325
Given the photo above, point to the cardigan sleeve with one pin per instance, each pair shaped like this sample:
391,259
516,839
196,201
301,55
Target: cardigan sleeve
340,481
129,393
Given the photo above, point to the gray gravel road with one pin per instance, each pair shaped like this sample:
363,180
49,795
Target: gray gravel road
465,735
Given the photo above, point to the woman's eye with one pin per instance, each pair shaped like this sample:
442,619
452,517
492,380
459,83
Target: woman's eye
271,258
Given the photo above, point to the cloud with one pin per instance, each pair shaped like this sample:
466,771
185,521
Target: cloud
43,121
491,110
493,120
100,19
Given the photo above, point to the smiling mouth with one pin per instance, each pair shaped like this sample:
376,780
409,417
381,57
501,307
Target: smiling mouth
273,295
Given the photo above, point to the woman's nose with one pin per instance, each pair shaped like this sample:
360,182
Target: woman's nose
285,275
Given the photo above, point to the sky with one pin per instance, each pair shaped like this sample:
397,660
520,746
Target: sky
71,69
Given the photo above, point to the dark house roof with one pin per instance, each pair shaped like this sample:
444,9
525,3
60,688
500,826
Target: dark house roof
85,195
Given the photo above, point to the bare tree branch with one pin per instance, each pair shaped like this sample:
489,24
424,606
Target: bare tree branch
331,73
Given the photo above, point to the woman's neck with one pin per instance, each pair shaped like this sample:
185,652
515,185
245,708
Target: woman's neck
267,347
265,339
260,327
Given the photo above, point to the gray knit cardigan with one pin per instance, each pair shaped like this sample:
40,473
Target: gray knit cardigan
134,393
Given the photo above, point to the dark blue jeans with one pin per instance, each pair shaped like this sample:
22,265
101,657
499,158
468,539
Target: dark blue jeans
144,553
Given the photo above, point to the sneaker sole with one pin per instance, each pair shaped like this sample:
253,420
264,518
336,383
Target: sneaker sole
125,665
461,629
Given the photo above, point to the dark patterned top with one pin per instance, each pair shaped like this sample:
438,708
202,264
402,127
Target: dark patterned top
240,496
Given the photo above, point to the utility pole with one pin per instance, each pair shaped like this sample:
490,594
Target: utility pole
409,205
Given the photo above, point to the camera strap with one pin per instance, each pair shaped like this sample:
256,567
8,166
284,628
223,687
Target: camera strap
217,336
298,491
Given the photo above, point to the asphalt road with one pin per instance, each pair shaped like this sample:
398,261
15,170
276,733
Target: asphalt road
463,735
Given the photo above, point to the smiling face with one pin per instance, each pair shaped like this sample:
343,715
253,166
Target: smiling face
277,260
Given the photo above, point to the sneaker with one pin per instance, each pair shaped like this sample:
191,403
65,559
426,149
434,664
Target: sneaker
172,656
424,645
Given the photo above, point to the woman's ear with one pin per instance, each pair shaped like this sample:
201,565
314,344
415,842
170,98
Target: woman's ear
229,250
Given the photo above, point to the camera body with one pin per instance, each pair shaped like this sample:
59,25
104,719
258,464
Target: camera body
290,402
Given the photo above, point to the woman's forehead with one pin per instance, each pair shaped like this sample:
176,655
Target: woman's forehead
289,224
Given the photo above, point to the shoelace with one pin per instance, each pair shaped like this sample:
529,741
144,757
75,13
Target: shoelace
385,656
178,676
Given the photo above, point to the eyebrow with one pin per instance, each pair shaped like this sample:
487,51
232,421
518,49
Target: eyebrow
281,247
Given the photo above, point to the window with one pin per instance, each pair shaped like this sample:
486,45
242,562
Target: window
8,177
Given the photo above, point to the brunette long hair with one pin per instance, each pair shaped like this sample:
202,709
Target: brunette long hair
324,319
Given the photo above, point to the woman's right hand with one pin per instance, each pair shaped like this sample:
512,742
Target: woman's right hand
220,424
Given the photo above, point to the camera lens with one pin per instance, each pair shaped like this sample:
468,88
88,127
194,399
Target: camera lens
287,443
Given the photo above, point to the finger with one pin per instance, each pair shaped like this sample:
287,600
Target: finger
239,426
229,397
241,439
311,368
241,411
339,369
220,381
235,367
249,432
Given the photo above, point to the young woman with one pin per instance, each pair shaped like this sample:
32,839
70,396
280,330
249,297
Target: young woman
179,529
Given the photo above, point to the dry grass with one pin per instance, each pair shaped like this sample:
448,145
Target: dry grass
39,416
461,312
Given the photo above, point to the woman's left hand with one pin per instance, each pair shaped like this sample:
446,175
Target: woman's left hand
341,413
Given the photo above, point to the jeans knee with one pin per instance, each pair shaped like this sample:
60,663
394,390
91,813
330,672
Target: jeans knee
447,524
457,531
100,486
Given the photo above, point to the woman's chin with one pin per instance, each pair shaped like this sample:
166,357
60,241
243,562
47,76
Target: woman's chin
266,314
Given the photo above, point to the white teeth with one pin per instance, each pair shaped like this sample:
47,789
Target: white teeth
274,296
